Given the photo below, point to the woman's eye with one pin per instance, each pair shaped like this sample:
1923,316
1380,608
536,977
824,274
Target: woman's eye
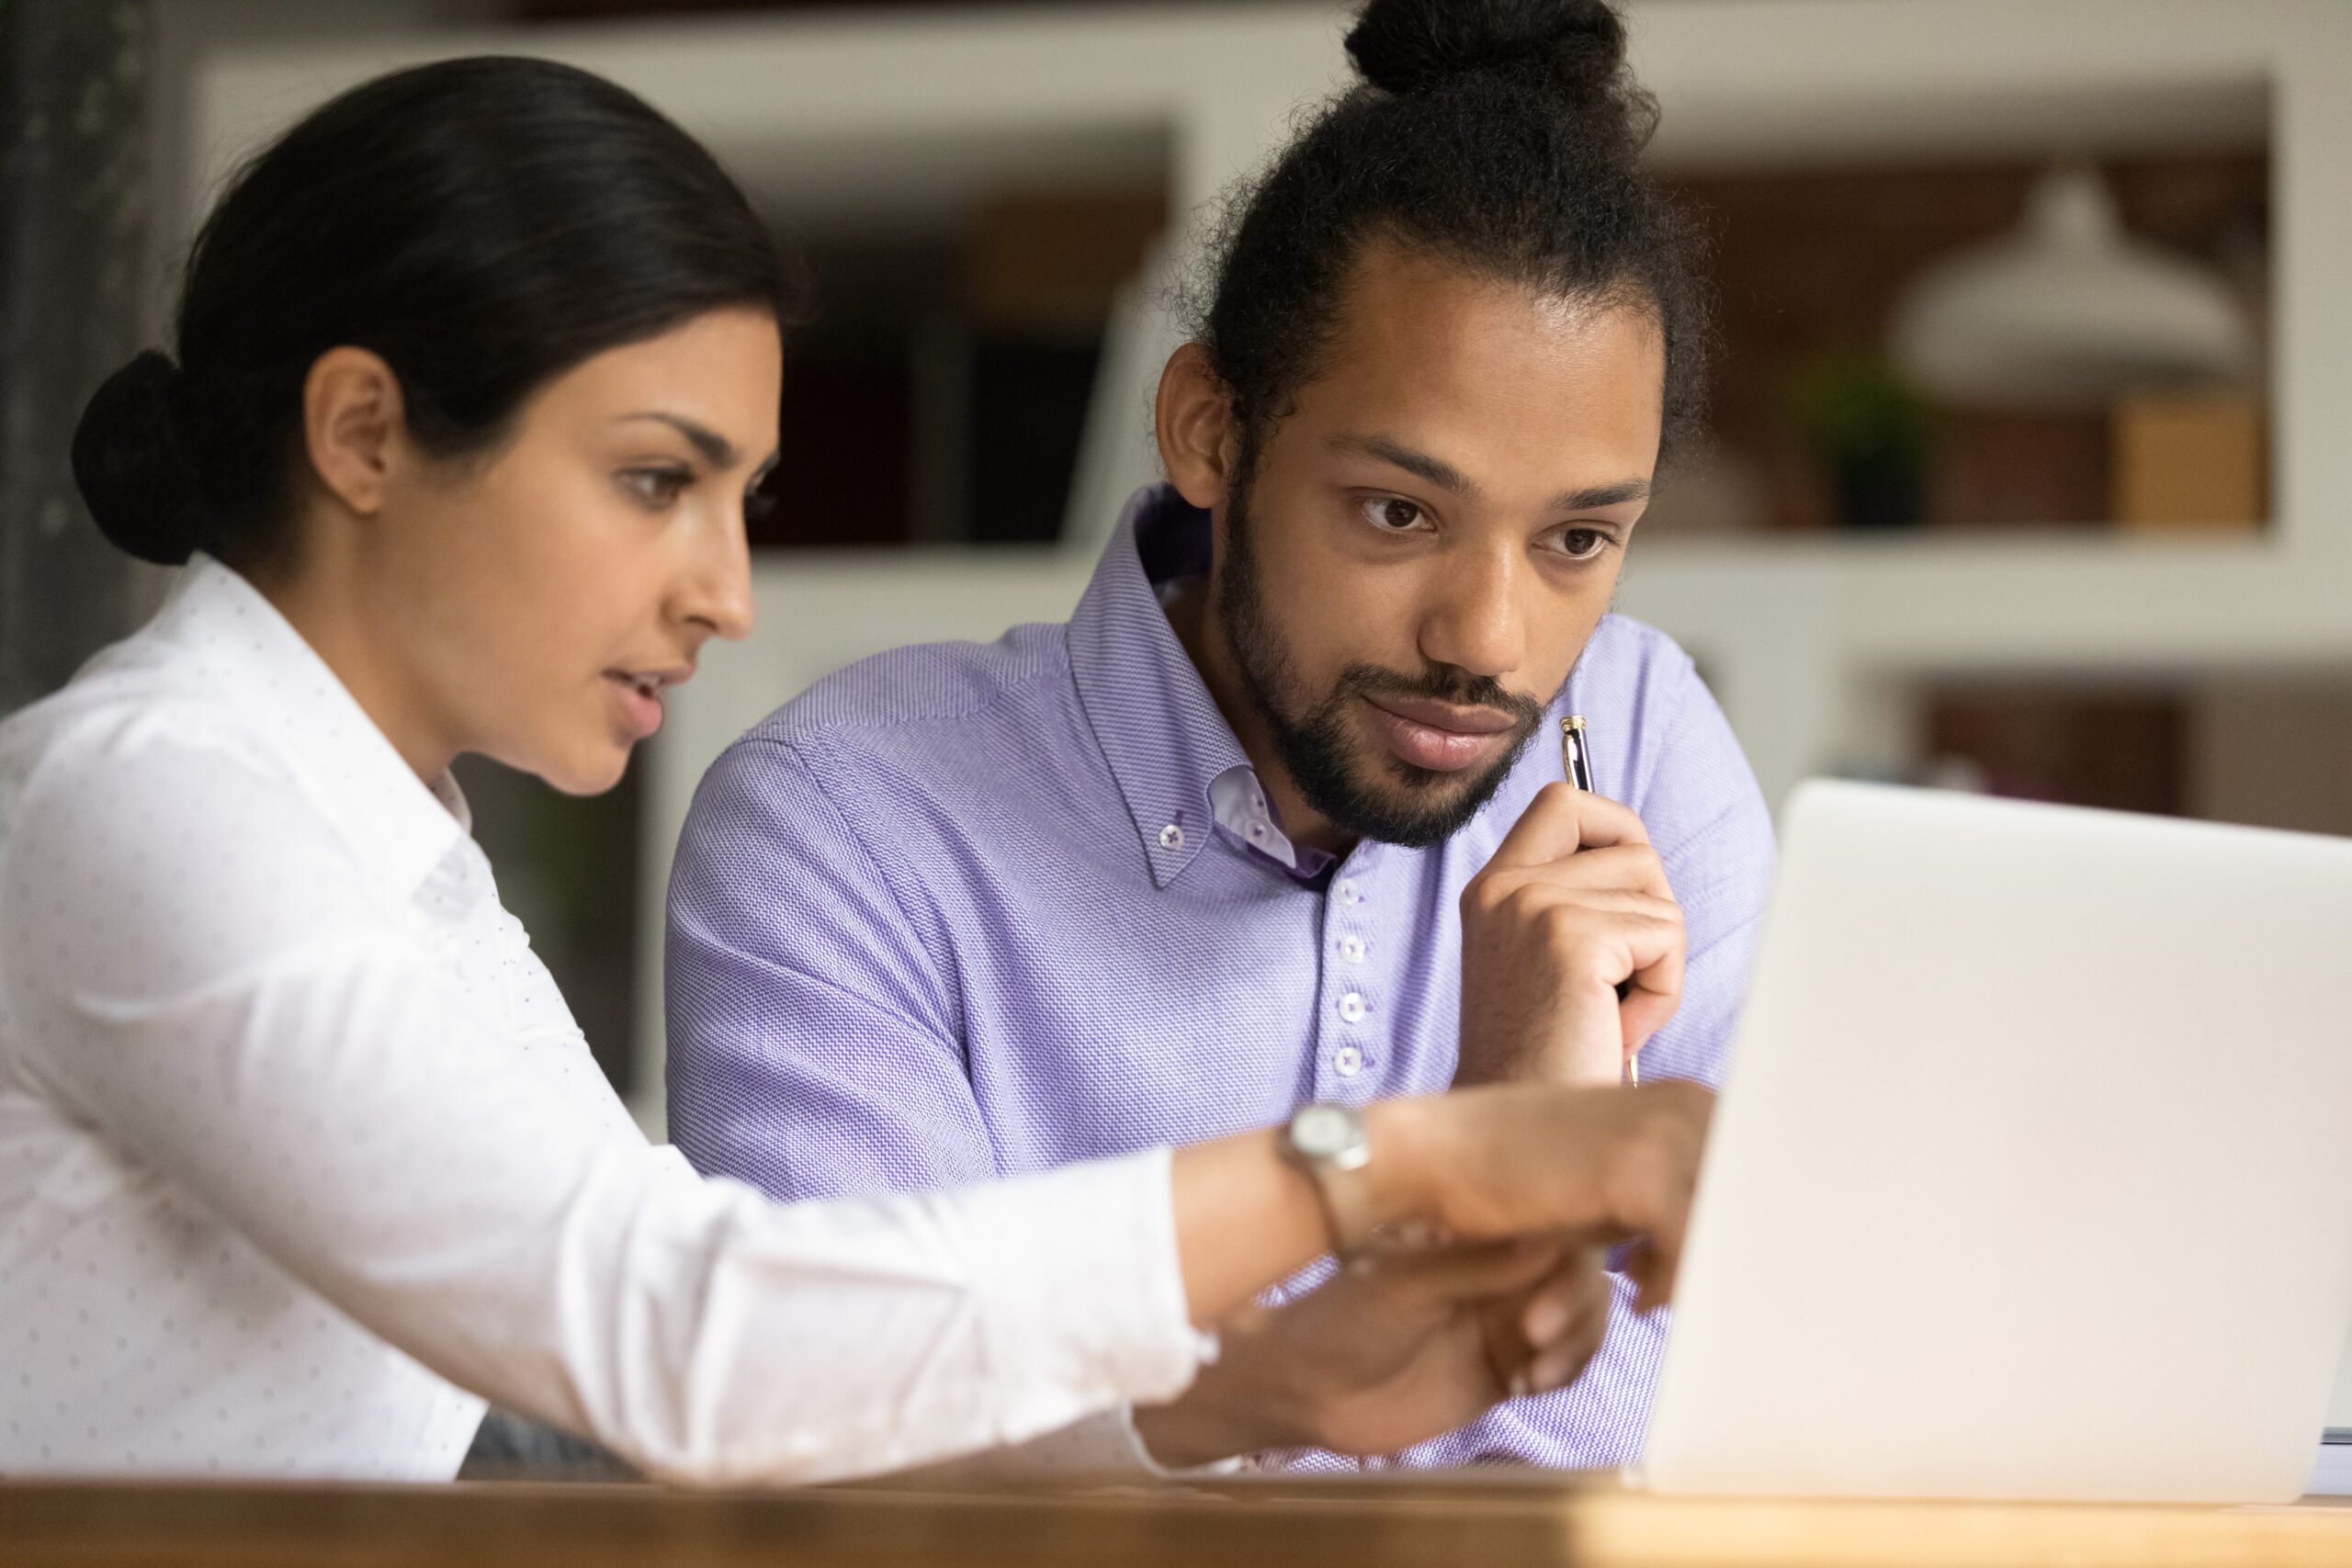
658,487
759,505
1583,544
1391,516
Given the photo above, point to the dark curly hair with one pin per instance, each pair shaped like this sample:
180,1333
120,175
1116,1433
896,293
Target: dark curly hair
1501,135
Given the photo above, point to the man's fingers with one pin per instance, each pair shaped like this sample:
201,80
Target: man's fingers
1551,1335
1655,996
1562,1357
1560,822
1548,829
1563,1362
1525,895
1643,1013
1643,946
1633,868
1564,1299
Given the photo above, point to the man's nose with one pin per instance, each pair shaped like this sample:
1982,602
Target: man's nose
1475,621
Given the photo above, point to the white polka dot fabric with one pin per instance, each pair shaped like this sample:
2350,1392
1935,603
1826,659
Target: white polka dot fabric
300,1152
962,911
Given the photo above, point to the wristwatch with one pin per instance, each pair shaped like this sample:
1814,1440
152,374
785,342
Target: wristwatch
1329,1142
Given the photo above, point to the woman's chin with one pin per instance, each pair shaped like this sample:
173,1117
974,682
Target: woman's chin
588,771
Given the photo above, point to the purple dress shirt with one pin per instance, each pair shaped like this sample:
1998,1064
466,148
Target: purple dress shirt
966,910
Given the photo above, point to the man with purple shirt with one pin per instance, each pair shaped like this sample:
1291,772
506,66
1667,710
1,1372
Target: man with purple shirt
1262,823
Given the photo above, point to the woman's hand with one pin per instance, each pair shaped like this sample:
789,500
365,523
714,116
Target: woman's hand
1597,1165
1591,1167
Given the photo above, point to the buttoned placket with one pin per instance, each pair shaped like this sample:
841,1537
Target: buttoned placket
1349,1057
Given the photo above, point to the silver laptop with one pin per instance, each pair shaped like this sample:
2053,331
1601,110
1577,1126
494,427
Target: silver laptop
2034,1174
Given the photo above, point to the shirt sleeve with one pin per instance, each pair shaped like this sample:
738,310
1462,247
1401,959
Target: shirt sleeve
205,980
815,1049
1709,823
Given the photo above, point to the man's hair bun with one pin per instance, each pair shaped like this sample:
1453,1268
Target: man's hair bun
130,462
1417,46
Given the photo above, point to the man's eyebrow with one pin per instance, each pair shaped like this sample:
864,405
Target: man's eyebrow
1439,472
1594,497
1446,476
716,449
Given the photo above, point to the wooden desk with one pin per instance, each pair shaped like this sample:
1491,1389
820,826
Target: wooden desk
1540,1523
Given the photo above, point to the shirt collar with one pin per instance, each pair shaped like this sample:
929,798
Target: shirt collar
1239,800
1161,731
218,628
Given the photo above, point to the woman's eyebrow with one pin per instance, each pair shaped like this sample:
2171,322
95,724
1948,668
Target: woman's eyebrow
716,449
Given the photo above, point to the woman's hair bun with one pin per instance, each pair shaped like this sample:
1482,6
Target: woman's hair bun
130,462
1413,46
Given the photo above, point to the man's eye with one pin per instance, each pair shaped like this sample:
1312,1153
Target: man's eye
1583,544
658,487
1391,516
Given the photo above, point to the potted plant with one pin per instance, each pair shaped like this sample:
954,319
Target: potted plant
1871,433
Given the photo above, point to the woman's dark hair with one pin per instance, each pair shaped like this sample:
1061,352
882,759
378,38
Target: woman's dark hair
482,225
1498,135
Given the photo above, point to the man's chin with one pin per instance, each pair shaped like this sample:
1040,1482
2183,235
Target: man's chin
1397,802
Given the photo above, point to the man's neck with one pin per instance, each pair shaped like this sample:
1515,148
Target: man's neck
1192,613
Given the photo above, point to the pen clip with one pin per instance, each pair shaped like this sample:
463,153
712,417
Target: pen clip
1575,754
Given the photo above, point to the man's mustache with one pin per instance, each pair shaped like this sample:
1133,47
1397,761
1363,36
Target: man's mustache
1443,684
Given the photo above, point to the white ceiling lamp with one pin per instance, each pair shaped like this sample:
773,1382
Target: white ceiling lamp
2067,313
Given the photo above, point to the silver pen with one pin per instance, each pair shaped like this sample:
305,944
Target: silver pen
1576,756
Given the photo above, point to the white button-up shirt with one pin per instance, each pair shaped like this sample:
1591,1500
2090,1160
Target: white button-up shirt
299,1144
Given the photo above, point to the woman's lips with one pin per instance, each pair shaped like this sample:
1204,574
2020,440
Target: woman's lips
1430,736
639,694
640,710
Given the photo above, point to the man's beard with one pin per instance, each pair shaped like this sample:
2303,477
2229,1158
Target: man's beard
1418,810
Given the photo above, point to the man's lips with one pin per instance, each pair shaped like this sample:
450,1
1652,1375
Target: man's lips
1451,717
1440,737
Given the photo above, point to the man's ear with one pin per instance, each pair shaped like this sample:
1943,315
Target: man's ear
352,425
1193,419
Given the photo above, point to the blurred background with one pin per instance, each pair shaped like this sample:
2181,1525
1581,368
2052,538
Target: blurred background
2026,470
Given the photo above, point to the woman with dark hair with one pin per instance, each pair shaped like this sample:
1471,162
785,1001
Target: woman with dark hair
300,1154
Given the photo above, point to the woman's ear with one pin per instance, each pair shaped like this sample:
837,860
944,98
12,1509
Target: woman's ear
353,420
1193,419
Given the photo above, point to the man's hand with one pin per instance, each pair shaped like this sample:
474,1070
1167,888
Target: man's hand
1572,905
1399,1345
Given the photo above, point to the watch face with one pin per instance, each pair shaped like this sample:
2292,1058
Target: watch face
1321,1131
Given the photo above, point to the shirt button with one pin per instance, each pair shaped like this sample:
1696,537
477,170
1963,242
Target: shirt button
1171,836
1257,832
1351,948
1347,1061
1346,889
1351,1008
